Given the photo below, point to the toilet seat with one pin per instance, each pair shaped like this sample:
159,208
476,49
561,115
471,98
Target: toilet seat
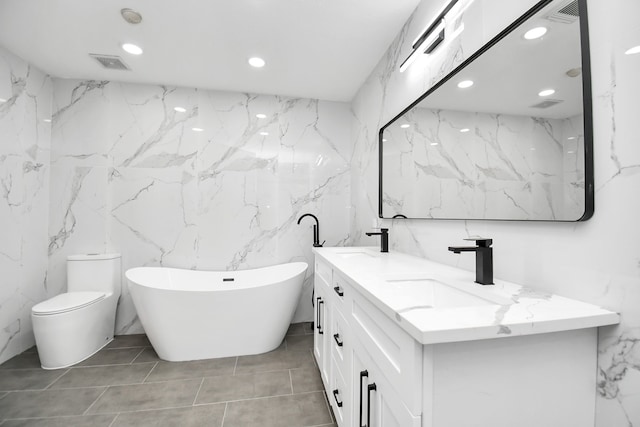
67,302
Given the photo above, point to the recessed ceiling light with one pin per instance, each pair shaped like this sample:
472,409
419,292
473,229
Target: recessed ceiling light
535,33
132,48
256,62
261,116
47,120
264,133
546,92
197,129
464,130
406,125
571,137
633,50
3,100
180,109
384,140
131,16
570,152
465,84
434,143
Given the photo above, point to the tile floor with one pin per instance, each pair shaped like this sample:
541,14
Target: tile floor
126,384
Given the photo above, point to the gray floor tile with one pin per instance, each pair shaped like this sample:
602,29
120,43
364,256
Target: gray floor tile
3,394
48,403
296,329
306,379
116,356
236,387
276,360
147,355
124,341
104,375
298,410
197,416
165,371
299,342
24,360
28,379
146,396
82,421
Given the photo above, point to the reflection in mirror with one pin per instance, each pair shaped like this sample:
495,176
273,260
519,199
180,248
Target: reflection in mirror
507,135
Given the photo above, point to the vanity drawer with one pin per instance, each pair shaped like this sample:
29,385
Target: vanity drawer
323,270
339,396
340,342
397,354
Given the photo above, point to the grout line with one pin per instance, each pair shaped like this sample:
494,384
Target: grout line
291,381
54,381
113,421
226,405
149,373
198,392
137,355
94,402
256,398
236,365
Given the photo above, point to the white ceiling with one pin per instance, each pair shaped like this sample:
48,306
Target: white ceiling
321,49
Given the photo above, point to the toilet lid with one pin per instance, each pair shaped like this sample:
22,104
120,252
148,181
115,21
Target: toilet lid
67,302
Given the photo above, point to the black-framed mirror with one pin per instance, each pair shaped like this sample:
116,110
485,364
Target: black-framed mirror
500,149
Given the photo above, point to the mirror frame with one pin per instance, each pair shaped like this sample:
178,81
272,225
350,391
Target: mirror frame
586,106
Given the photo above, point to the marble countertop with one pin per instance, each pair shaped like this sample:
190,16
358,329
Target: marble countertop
436,303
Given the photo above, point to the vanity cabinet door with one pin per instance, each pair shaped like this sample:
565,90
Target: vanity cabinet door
322,322
374,402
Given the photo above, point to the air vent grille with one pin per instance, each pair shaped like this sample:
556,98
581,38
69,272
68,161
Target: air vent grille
566,13
110,62
547,103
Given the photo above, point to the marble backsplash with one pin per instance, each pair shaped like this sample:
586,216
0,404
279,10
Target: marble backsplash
596,261
25,139
131,174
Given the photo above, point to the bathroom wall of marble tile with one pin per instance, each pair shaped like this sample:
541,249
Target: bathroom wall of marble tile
131,174
25,102
595,261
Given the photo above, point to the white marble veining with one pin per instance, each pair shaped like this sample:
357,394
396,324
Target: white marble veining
130,174
24,198
596,261
398,284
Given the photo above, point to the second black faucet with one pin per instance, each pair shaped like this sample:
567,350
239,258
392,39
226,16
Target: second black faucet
384,239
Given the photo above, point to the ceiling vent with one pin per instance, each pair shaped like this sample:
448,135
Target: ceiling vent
567,13
547,103
110,62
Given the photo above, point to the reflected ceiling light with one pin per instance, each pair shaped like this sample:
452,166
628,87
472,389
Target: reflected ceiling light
384,140
257,62
197,129
571,137
464,130
546,92
47,120
465,84
180,109
261,116
132,48
434,143
264,133
633,50
535,33
406,125
570,152
3,100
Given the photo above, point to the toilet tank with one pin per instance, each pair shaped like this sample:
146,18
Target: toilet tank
94,272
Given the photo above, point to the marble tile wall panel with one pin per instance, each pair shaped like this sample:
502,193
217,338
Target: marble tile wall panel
24,198
595,261
131,175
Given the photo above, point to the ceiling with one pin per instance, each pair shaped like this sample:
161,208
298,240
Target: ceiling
322,49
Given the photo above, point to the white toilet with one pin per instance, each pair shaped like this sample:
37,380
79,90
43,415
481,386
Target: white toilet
71,327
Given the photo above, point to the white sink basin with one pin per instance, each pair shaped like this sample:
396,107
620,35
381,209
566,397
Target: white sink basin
411,294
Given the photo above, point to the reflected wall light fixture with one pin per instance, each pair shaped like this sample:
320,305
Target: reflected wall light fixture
429,39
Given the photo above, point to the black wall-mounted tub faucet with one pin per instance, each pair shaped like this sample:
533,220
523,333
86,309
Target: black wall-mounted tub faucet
484,259
384,239
316,230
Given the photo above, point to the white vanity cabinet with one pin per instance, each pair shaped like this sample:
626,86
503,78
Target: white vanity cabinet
393,353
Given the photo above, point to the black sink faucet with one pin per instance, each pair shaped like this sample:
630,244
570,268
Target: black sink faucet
484,259
316,230
384,240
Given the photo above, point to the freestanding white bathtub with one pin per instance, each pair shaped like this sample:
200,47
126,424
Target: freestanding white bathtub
192,315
